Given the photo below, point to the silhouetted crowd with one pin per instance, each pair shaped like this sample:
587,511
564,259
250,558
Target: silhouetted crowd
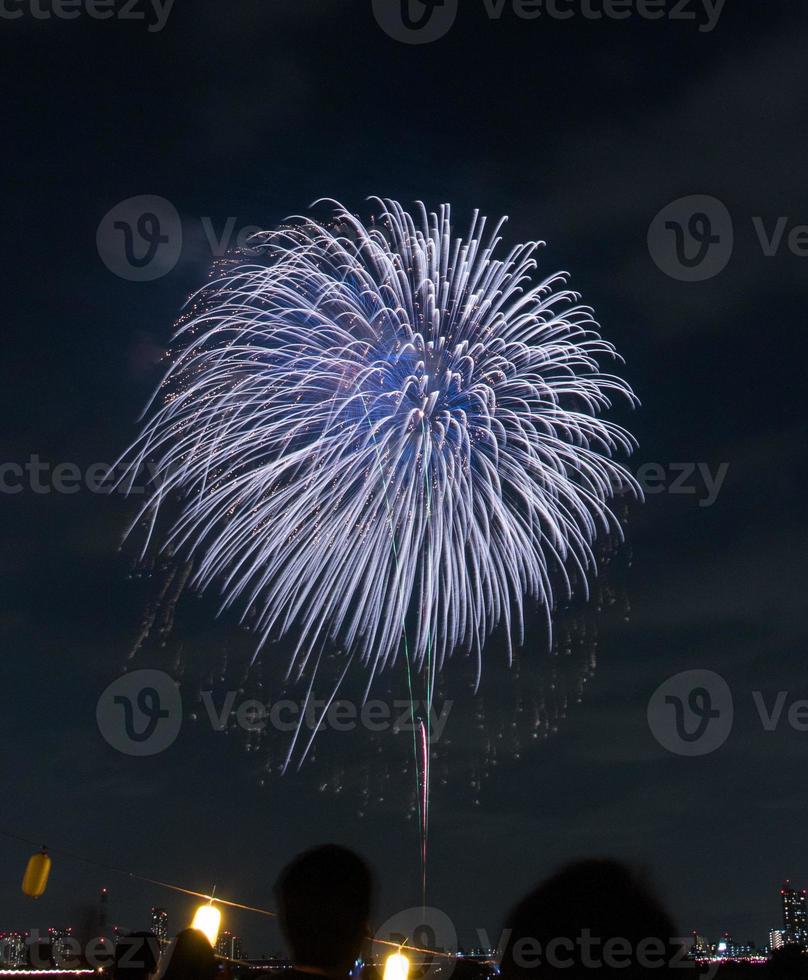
594,919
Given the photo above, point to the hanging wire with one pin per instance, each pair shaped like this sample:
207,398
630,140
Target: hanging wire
195,894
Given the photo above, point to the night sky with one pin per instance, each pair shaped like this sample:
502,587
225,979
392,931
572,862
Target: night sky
581,131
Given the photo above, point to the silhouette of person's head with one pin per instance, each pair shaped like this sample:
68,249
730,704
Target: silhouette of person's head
788,963
324,897
192,957
136,956
593,919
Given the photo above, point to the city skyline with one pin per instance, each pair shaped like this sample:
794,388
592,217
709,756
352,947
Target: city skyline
793,908
62,942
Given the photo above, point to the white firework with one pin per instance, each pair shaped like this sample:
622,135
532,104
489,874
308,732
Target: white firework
383,435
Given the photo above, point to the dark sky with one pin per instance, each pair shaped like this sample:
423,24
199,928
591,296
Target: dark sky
582,131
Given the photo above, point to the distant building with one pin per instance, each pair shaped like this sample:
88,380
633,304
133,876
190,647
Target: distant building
61,941
274,962
230,946
39,954
102,914
159,924
795,914
12,948
699,946
729,949
777,939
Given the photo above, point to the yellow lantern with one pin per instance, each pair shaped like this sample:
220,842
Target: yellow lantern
396,967
207,920
35,879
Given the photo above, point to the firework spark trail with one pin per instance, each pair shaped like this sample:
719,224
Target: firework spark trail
391,365
424,808
422,818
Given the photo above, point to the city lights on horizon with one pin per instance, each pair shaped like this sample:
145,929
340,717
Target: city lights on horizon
58,946
59,950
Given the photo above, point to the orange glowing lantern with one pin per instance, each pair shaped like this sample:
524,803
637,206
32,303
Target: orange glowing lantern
35,879
396,967
208,920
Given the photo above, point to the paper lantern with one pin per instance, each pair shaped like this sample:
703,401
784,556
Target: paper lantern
207,920
396,967
35,879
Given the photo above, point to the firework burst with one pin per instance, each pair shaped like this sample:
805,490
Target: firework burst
383,435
